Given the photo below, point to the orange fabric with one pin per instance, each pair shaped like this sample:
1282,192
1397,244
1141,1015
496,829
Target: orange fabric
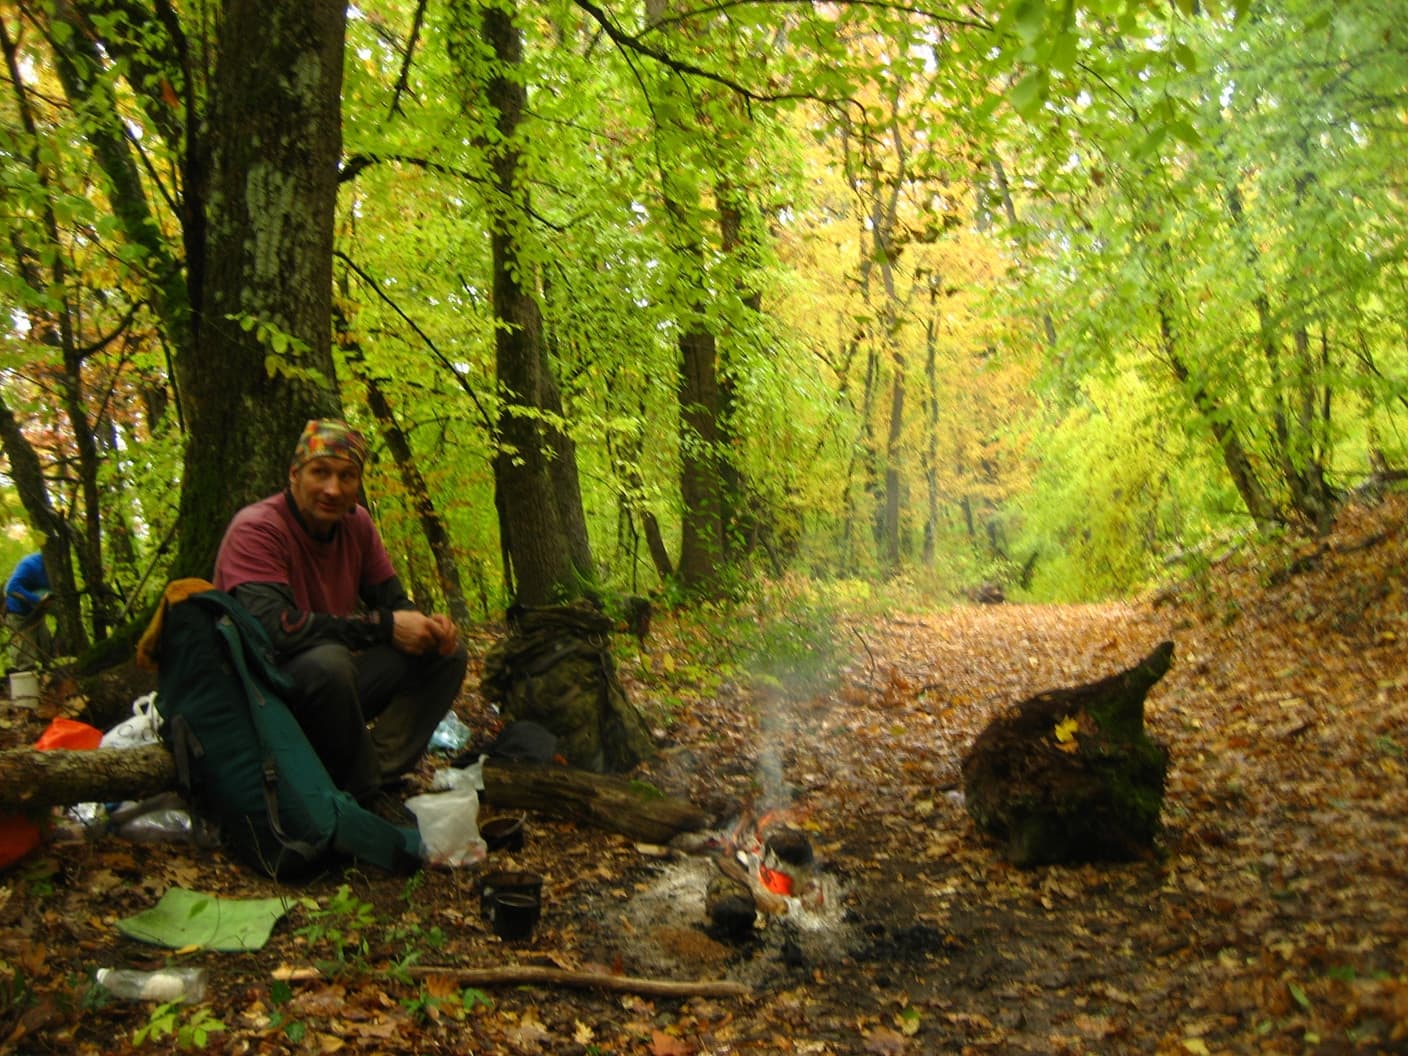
177,591
69,733
18,836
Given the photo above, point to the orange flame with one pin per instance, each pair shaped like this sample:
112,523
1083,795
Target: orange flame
776,882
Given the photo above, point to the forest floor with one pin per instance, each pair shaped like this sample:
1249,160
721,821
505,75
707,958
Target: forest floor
1271,919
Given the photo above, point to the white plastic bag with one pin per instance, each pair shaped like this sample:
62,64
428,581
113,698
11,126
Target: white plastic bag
144,727
448,819
155,819
450,779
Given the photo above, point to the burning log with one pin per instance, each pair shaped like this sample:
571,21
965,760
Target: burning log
765,900
728,900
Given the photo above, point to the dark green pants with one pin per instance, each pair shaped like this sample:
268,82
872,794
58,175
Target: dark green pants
370,714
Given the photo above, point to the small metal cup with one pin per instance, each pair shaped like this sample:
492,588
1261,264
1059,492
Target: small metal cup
514,914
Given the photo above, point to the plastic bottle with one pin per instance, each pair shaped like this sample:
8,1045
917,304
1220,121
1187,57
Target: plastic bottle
166,985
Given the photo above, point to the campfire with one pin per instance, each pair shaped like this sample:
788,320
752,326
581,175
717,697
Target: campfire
765,867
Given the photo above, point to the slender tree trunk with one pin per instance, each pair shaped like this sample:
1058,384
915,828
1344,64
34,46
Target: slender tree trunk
634,505
1293,416
80,65
877,189
57,327
432,525
547,550
1234,455
894,481
1009,209
27,474
929,459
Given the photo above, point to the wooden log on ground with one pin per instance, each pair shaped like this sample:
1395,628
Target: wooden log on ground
30,778
1069,775
608,801
527,975
530,975
34,779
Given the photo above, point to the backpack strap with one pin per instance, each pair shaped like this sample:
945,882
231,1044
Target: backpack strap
185,749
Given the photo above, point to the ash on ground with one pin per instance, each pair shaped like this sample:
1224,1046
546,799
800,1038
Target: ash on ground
665,930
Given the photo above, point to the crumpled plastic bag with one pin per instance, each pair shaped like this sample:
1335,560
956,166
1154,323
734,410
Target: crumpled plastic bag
144,727
155,818
448,817
164,817
451,735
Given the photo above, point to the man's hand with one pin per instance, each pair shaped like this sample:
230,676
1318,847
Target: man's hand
449,635
416,633
413,632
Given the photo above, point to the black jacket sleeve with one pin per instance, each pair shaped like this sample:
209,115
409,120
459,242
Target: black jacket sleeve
291,629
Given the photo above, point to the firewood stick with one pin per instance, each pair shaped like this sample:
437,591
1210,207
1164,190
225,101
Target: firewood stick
517,975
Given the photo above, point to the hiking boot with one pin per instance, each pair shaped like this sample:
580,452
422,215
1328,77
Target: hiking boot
387,807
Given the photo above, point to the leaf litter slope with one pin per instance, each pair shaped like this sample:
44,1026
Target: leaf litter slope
1271,920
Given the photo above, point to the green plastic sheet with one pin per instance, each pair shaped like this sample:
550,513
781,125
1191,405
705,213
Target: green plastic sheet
189,918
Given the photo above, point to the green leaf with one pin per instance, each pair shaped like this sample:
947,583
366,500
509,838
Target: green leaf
1030,19
1028,93
1148,147
1184,132
1063,53
1299,995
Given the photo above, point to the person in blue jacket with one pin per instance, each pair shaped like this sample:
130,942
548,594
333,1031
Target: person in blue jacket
26,605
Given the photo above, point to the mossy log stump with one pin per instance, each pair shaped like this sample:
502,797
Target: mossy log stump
1070,775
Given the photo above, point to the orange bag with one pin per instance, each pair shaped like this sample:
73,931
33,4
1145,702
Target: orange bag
69,733
20,833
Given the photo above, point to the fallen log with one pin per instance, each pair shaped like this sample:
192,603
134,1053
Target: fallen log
609,801
31,779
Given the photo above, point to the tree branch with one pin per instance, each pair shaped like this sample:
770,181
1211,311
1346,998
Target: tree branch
444,360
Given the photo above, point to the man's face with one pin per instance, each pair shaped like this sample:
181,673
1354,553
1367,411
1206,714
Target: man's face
324,489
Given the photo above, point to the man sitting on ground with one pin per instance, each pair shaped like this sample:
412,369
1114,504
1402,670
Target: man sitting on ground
310,566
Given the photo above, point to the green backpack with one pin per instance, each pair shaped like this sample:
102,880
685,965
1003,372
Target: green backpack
241,757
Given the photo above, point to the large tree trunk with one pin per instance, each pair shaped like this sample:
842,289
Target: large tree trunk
740,237
32,779
260,363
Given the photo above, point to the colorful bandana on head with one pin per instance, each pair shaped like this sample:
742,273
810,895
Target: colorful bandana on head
329,438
